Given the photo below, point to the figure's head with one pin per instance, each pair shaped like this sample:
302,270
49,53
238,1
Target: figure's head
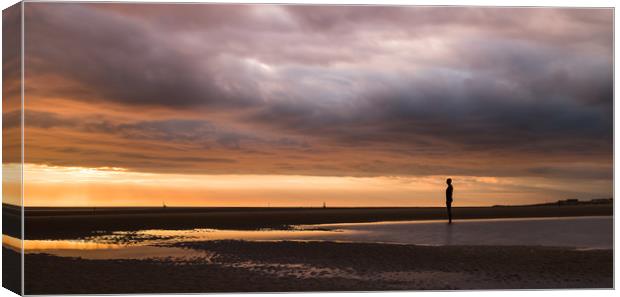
449,181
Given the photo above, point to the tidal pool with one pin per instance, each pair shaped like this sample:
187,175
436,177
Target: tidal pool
572,232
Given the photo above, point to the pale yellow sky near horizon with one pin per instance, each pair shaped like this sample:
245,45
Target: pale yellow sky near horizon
80,186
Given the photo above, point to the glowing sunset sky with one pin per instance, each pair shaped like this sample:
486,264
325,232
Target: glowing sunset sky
134,104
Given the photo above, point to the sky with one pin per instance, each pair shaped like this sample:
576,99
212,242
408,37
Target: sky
256,105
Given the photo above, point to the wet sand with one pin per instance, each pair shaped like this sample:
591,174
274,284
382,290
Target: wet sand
62,223
243,266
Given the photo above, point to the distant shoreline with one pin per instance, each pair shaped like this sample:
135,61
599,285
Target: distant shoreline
63,223
35,209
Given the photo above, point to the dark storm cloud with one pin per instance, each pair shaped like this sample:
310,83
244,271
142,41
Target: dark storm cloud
119,60
479,91
481,114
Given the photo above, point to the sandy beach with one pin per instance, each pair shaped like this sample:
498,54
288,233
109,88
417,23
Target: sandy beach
349,255
241,266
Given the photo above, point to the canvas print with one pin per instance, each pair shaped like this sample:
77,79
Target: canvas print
202,148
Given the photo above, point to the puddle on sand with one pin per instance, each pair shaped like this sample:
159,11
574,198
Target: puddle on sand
155,244
97,250
299,271
167,237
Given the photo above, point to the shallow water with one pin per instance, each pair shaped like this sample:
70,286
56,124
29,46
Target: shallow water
573,232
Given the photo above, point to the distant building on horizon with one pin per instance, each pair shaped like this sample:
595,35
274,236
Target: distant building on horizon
591,201
568,202
602,201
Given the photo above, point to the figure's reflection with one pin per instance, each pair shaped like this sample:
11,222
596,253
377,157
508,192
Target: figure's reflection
448,235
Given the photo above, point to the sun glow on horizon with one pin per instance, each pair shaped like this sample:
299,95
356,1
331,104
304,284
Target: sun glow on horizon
48,185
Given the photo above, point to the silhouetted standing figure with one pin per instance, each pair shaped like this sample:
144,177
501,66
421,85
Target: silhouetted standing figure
449,190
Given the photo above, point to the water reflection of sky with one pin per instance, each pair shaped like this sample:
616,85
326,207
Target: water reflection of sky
577,232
